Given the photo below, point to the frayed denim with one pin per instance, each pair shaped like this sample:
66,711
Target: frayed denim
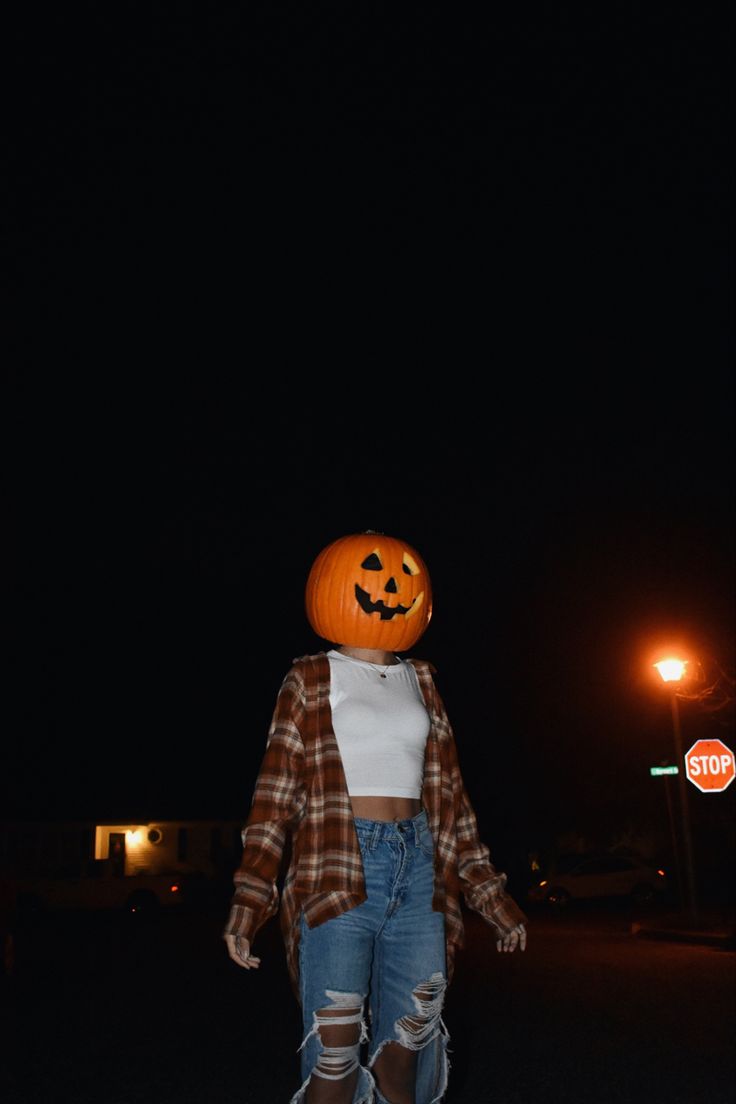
381,967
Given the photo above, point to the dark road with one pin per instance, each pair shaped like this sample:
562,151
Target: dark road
109,1012
459,277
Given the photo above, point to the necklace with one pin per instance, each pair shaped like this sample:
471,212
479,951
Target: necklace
381,674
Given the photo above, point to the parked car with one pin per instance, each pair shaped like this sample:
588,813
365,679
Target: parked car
594,876
139,893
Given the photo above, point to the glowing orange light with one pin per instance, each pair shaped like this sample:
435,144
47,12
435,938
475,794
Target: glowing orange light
661,873
544,882
174,888
671,669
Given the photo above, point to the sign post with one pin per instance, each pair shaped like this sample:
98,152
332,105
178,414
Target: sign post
668,770
692,900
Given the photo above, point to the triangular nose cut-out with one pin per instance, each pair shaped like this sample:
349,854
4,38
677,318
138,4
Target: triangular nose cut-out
391,587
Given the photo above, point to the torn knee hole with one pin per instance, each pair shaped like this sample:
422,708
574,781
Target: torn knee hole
341,1029
415,1031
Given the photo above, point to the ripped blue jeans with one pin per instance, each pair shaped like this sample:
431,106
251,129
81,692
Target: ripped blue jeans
379,967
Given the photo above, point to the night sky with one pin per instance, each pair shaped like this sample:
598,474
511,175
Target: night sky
297,277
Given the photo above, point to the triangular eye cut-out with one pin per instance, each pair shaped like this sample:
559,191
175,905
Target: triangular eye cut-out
372,562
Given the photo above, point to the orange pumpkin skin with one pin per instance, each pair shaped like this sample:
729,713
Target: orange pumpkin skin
368,590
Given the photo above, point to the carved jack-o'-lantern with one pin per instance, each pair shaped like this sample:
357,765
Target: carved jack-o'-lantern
368,590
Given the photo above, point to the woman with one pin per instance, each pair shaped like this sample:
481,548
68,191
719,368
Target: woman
361,775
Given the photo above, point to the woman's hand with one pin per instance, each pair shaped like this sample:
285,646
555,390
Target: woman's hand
513,939
239,950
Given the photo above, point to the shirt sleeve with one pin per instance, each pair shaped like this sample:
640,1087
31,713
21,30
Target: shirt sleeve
483,887
277,801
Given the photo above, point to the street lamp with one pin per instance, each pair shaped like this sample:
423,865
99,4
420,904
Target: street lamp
672,671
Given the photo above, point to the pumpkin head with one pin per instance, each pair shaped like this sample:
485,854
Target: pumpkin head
368,590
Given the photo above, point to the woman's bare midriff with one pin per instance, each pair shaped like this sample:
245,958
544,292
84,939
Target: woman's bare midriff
385,808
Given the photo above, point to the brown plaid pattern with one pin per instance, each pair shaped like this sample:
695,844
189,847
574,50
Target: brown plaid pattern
301,824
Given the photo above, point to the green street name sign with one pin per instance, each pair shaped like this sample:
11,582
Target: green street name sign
664,770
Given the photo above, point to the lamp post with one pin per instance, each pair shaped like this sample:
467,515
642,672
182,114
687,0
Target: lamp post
672,671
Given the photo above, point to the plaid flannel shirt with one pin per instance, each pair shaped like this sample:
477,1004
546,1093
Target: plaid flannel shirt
301,819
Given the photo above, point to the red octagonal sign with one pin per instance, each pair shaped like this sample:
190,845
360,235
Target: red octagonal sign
709,765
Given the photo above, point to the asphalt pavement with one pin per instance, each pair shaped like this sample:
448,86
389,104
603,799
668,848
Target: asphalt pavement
598,1010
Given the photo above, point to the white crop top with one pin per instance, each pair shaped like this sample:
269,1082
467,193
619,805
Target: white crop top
381,725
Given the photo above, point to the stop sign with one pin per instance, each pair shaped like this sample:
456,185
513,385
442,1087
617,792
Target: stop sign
709,765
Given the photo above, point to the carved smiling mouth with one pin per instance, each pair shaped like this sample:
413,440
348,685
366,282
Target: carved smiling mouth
386,612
